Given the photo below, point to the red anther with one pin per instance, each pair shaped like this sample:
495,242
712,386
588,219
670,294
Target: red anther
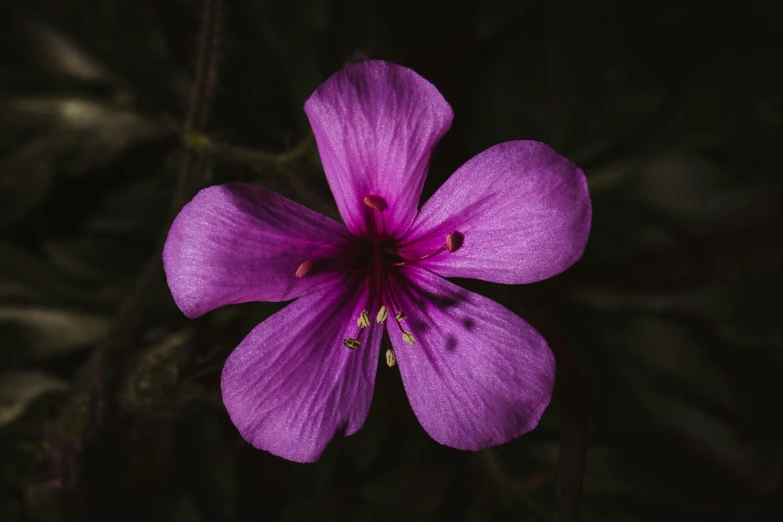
454,241
304,269
375,202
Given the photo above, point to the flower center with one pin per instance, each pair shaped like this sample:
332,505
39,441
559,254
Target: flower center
377,257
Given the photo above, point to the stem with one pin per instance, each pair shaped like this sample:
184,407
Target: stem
573,393
422,258
202,145
573,387
93,383
205,73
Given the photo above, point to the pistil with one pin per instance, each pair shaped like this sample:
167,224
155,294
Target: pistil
384,258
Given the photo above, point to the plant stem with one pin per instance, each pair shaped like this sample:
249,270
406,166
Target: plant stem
96,379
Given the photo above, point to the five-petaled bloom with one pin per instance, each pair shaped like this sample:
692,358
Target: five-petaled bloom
475,373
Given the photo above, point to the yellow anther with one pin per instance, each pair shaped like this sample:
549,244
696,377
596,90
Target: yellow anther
364,319
400,316
408,337
351,343
383,313
391,360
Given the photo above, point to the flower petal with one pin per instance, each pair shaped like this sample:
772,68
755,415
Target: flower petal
376,124
522,210
478,375
291,385
235,243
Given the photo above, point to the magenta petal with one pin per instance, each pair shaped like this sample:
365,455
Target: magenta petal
478,375
291,385
235,243
523,212
376,124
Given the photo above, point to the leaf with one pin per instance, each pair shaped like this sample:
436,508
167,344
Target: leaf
700,194
76,133
70,136
24,181
55,52
50,333
94,260
206,465
712,300
19,389
678,380
672,351
28,279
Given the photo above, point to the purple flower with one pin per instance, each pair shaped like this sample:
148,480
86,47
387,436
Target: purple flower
475,373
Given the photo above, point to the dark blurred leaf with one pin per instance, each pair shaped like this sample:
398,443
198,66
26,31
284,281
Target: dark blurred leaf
700,195
93,260
27,278
19,389
50,333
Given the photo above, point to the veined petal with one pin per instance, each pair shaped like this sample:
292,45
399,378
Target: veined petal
522,210
478,375
292,384
235,243
376,124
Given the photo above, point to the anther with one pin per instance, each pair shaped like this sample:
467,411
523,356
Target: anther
453,241
383,313
304,269
400,316
376,203
391,360
408,337
364,319
351,343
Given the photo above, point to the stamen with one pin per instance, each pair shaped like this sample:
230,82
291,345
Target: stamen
408,338
351,343
400,316
421,258
383,313
364,319
376,202
454,241
391,360
304,269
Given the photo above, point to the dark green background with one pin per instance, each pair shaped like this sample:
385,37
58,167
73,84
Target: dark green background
675,112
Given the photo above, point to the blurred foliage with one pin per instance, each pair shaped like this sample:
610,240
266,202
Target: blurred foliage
675,111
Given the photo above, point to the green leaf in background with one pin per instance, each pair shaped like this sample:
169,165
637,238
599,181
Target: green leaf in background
19,389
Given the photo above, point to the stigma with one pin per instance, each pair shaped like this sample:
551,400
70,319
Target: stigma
377,256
